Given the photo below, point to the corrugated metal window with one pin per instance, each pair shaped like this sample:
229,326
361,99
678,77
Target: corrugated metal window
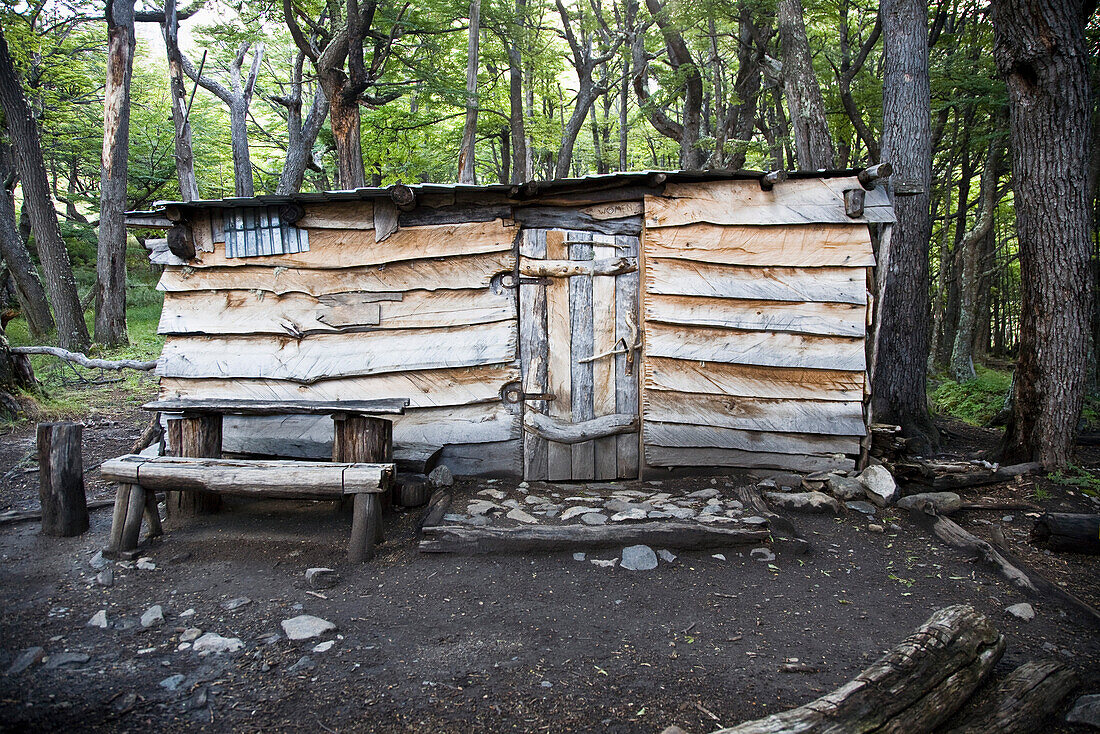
257,230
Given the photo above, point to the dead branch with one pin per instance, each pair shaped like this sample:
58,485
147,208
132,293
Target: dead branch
85,361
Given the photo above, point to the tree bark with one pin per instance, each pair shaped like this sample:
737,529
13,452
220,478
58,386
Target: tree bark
110,300
514,46
301,134
813,143
28,289
61,480
72,332
899,393
1040,50
469,131
185,159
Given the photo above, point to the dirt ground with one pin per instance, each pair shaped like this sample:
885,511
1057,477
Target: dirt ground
483,643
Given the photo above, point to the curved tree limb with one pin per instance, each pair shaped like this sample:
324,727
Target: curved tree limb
84,361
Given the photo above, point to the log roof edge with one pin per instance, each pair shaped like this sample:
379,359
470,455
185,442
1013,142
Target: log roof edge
526,192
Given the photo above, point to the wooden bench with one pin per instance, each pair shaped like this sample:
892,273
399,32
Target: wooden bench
139,475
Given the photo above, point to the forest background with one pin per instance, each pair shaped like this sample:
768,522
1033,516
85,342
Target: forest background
277,97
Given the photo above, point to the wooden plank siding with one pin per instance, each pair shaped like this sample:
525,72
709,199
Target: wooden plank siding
420,316
754,335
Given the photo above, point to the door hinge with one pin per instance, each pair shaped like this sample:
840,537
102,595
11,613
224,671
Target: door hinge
513,393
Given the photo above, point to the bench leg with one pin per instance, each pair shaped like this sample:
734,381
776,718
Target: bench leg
131,528
118,519
152,515
365,520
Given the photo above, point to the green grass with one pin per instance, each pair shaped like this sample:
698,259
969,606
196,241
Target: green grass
975,401
1086,480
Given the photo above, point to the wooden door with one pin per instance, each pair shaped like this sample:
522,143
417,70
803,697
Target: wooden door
579,342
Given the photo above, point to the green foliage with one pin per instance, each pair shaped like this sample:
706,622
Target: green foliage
975,401
1086,480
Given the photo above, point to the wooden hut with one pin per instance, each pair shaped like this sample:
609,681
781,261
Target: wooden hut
594,328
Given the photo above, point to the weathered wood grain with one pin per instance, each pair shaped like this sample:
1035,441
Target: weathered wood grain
627,366
345,248
802,201
581,389
758,414
499,459
769,349
559,326
533,353
249,312
829,319
706,436
456,273
383,406
577,220
325,356
591,430
605,265
424,388
716,378
338,215
707,457
606,463
686,278
798,246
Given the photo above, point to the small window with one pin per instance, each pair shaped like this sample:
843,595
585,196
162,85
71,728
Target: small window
257,230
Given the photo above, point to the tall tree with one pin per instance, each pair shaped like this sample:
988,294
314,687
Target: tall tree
28,289
1040,49
899,393
469,130
110,298
72,332
181,113
238,98
301,133
812,140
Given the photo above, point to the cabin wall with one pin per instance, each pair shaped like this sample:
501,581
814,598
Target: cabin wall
419,315
756,313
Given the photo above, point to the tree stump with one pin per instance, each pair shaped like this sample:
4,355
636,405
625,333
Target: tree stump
200,436
1065,531
61,480
361,438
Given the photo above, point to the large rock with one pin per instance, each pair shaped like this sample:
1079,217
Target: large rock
99,619
212,642
153,616
1023,611
26,659
639,558
846,488
814,502
322,578
880,485
305,626
441,477
944,503
1086,710
521,516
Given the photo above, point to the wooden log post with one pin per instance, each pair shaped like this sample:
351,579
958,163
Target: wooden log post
1066,531
364,439
197,435
61,480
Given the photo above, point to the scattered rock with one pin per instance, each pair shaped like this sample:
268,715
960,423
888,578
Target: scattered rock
876,528
762,554
944,503
572,512
62,659
880,485
1086,710
482,507
666,555
236,602
844,488
520,516
494,493
578,556
305,626
813,485
173,682
188,613
98,562
680,513
146,564
455,517
639,558
594,518
99,619
604,564
153,616
26,659
633,514
191,634
303,664
704,494
479,520
441,477
322,578
754,520
860,506
212,642
815,502
719,556
106,577
1023,611
324,646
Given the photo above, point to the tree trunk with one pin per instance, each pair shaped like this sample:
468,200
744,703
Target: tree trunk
242,161
813,143
61,480
344,119
469,131
1040,49
71,330
28,289
514,45
898,394
185,159
110,301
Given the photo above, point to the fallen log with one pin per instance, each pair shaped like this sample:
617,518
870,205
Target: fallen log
913,688
1065,531
999,506
1021,703
438,506
683,536
951,533
785,535
13,516
85,361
